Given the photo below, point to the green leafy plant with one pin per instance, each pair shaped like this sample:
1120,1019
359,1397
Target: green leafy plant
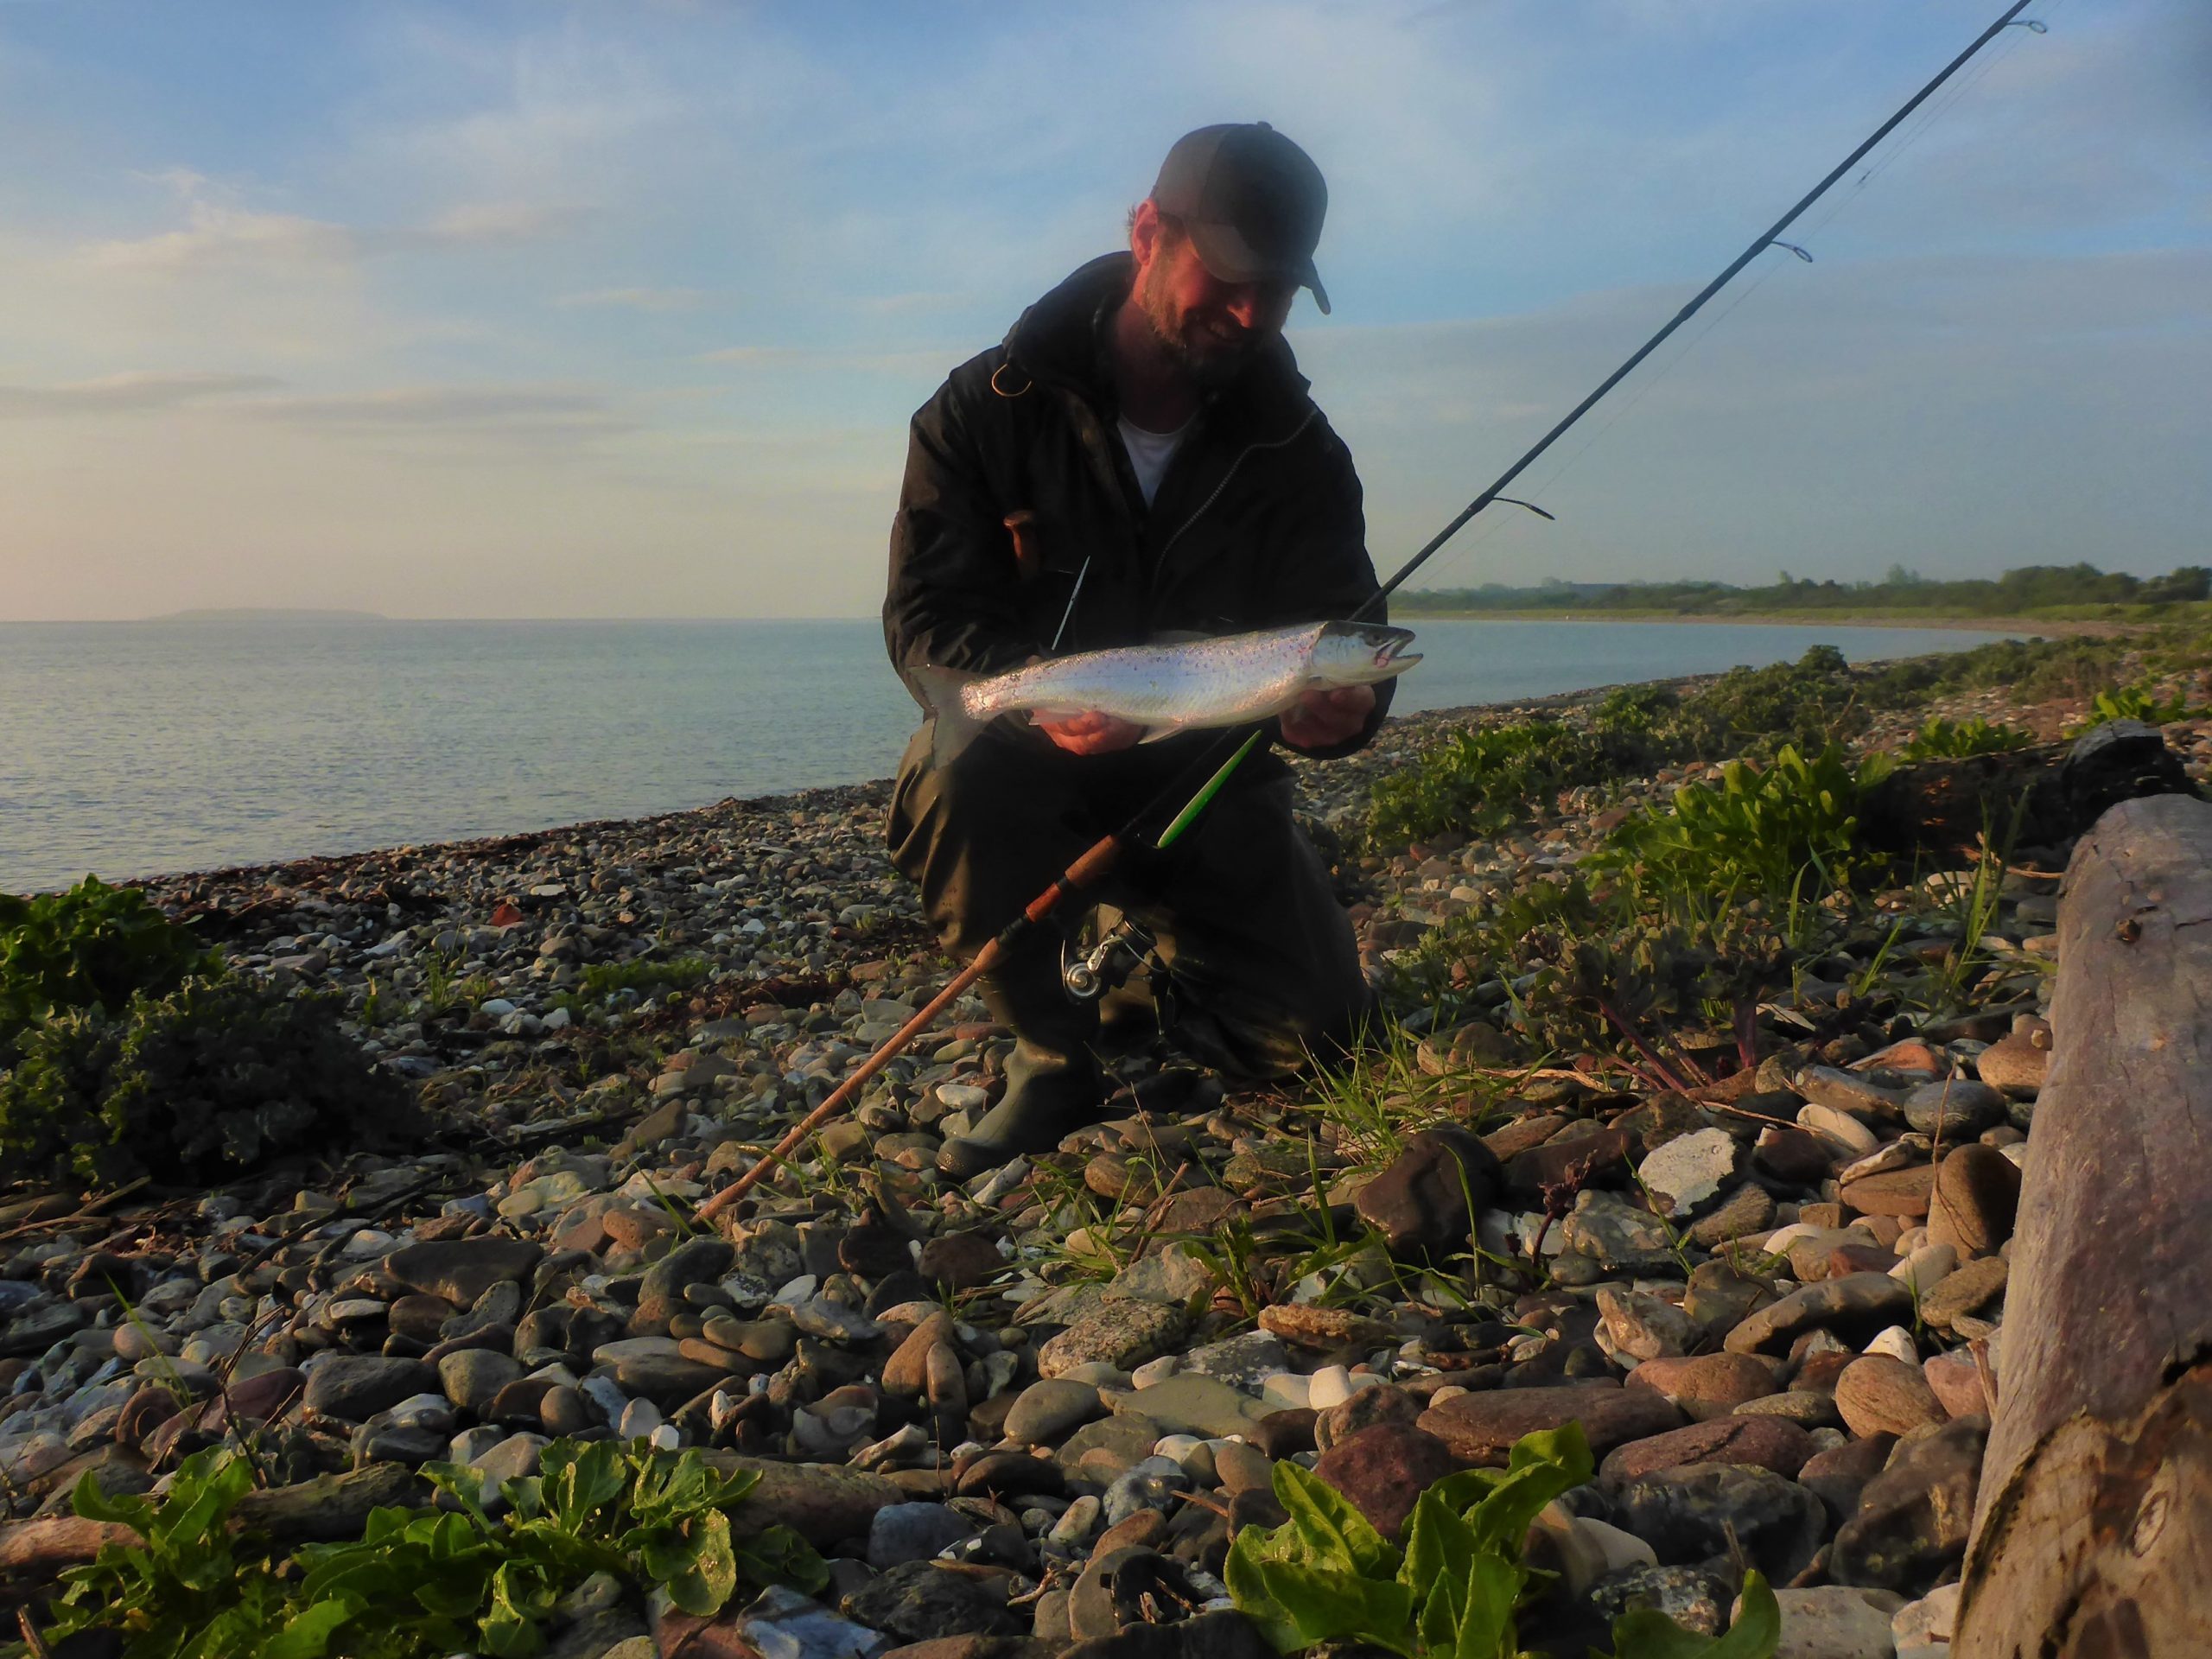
1453,1591
420,1583
603,979
1808,703
1760,835
93,946
216,1076
1942,740
2128,703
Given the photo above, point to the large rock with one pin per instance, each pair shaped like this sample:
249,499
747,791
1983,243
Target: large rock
2014,1066
1901,1192
694,1262
462,1269
1967,1290
1325,1328
1189,1404
822,1502
1383,1468
922,1599
1914,1516
1047,1410
1856,1306
1709,1509
1836,1622
1481,1427
1958,1108
1769,1442
1705,1385
1428,1199
1599,1158
1617,1235
1881,1394
353,1387
1122,1334
1977,1197
1688,1172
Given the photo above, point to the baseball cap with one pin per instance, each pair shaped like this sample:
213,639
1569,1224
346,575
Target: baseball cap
1253,201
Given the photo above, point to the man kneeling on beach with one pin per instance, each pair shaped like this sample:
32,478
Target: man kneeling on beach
1145,427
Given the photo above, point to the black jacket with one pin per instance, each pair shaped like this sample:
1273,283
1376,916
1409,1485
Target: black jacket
1257,521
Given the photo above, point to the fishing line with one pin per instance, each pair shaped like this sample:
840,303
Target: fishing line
1911,133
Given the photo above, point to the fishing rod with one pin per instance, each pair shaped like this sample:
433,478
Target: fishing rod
1098,861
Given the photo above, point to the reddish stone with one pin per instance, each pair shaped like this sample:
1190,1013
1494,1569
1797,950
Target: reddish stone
1705,1385
1892,1192
1818,1374
1955,1381
1383,1468
1859,1258
1767,1442
1481,1429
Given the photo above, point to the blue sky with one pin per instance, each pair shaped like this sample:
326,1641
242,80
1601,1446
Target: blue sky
619,309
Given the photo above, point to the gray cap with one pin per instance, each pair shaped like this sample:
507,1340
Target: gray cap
1253,202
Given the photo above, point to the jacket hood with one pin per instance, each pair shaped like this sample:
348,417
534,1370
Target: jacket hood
1056,342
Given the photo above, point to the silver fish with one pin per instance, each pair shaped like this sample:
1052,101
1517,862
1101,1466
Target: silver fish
1231,681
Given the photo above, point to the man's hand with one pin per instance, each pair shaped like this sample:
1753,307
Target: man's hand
1324,719
1091,733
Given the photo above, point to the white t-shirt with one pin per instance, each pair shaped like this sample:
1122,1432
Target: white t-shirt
1149,453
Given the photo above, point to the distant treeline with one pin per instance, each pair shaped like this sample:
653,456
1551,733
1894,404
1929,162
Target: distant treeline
2032,588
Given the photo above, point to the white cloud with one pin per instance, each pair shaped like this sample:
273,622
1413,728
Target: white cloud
529,411
221,234
123,393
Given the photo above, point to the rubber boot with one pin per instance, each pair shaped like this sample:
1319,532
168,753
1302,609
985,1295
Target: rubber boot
1053,1084
1048,1098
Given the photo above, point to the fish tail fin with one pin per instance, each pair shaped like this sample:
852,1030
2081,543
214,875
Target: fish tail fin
953,728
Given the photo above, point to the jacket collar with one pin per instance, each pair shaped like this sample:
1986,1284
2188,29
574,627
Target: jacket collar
1056,341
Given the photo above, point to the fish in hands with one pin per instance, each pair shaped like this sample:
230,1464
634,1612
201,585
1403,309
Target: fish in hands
1317,676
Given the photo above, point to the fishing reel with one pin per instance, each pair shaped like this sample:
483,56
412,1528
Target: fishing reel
1108,964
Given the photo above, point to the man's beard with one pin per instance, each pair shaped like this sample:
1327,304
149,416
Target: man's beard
1209,361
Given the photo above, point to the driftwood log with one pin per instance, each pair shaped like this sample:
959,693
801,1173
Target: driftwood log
321,1510
2036,797
2093,1535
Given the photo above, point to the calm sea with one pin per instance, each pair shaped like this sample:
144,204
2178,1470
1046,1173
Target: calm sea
134,748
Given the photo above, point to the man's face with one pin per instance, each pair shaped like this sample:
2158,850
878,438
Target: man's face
1211,327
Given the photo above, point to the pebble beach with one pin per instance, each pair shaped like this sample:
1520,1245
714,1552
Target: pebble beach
1031,1412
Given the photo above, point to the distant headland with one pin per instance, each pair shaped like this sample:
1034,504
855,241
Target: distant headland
267,614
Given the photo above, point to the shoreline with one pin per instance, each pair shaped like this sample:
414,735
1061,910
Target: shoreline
1398,732
2024,627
